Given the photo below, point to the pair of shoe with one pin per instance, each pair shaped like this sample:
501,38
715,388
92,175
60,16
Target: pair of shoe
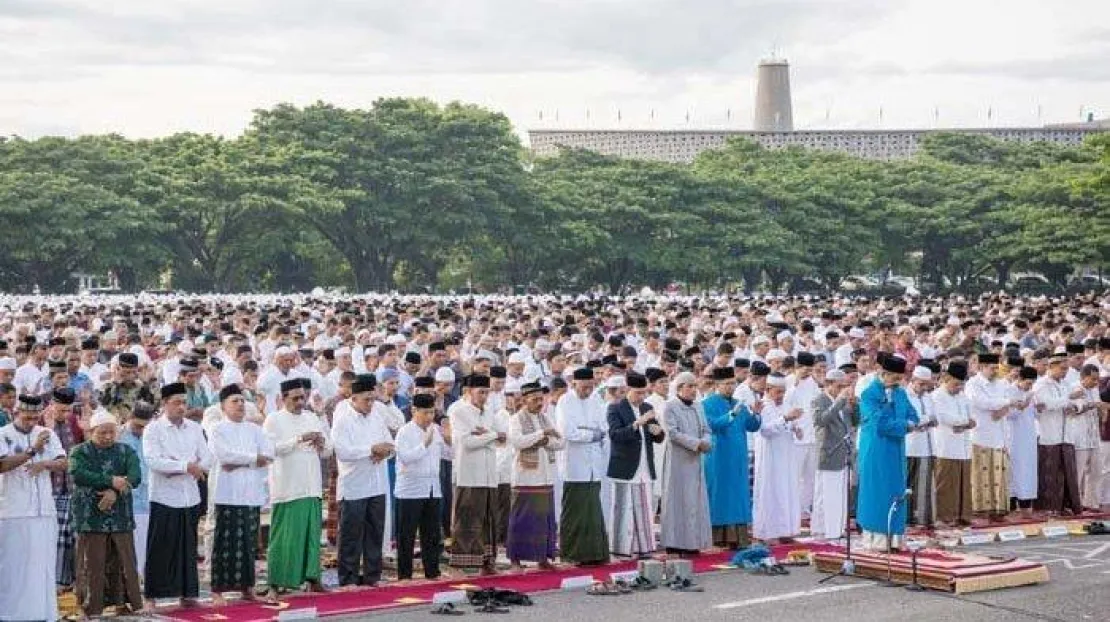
679,584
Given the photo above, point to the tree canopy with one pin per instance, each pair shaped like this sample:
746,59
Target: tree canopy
414,195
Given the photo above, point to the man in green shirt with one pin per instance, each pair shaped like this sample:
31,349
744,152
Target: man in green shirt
104,473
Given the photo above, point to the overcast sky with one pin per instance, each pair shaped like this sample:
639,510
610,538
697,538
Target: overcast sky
152,67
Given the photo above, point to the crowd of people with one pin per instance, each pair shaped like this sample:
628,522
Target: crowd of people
144,439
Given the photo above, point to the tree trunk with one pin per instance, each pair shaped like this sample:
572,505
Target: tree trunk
1002,273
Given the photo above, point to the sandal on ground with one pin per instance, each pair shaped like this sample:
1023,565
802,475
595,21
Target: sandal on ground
642,584
686,585
602,589
448,609
623,586
491,607
777,569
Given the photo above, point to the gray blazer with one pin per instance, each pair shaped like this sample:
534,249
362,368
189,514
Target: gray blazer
832,422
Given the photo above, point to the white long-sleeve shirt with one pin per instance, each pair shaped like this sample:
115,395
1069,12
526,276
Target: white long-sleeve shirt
984,396
475,454
295,473
21,494
545,472
920,444
417,464
238,444
1083,427
353,434
1053,395
585,459
802,396
168,449
951,410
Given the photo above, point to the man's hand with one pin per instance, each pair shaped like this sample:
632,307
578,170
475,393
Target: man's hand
429,436
998,414
704,447
195,470
501,436
41,440
380,451
654,429
479,431
798,433
262,461
120,483
35,468
757,407
793,414
552,432
107,500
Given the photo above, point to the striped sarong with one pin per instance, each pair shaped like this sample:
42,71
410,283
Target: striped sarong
64,567
474,529
632,532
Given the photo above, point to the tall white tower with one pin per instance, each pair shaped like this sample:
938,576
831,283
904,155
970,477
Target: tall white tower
773,110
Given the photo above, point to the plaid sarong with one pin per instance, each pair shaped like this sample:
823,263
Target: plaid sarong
64,564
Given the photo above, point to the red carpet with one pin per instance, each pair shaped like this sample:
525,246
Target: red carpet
391,595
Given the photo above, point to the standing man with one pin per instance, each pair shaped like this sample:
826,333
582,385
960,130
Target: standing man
178,456
834,419
419,449
363,443
583,538
1057,476
238,491
953,447
300,438
60,416
1083,431
685,515
919,449
29,453
726,466
132,436
633,432
474,436
778,507
885,415
104,474
532,530
1022,443
991,401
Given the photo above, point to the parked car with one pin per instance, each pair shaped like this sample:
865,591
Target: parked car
1031,284
1088,283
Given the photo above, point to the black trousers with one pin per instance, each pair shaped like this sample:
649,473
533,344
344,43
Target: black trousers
419,515
445,484
361,523
171,553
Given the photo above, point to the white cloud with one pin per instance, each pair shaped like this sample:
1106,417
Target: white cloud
149,68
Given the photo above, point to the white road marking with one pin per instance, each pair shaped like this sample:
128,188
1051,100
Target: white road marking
1099,551
791,596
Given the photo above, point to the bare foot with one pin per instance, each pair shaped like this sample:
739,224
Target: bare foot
271,597
188,603
546,565
218,600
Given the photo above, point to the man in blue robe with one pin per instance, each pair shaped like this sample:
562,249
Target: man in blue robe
726,465
886,415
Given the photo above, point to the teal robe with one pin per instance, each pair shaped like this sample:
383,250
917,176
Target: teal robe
882,457
726,465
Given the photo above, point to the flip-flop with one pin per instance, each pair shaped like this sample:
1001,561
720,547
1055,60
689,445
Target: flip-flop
686,585
601,589
491,607
642,584
777,569
448,609
622,586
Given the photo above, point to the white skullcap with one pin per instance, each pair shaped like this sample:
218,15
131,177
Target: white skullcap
776,354
760,340
857,333
445,374
512,385
396,340
516,358
101,417
343,351
284,351
776,380
7,364
685,378
784,335
922,373
615,382
835,375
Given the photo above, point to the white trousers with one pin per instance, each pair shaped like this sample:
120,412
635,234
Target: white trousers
1089,466
807,472
28,553
142,526
1104,482
830,504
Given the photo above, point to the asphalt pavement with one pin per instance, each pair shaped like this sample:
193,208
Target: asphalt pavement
1079,589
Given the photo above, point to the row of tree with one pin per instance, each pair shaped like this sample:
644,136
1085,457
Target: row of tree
412,195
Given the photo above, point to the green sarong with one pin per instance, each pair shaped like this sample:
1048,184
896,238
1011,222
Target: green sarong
294,553
582,535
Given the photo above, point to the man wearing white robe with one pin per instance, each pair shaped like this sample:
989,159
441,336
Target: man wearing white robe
801,395
1021,442
777,500
28,523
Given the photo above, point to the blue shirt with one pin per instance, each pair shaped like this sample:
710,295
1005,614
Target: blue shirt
140,497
